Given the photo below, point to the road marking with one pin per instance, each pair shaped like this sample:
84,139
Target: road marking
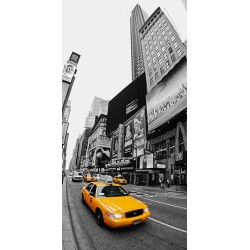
167,225
163,203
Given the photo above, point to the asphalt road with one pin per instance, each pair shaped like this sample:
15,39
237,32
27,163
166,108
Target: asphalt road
166,227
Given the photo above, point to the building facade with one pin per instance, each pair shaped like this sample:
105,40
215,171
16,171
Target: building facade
137,20
162,47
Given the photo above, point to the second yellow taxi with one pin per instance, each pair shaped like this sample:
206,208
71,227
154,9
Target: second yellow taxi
120,179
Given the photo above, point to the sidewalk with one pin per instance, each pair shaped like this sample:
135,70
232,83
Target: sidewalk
68,241
172,188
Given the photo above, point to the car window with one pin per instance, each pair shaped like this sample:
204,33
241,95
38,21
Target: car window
93,189
111,191
79,173
89,186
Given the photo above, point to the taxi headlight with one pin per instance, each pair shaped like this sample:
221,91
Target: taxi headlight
115,216
145,210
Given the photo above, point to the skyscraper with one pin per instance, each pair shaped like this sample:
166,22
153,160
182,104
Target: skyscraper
162,47
137,19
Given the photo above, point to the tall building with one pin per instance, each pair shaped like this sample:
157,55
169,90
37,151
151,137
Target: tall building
98,104
162,47
137,19
98,107
67,112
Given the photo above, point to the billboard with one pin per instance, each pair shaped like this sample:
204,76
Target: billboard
146,161
128,139
68,72
70,67
126,103
115,144
168,97
139,125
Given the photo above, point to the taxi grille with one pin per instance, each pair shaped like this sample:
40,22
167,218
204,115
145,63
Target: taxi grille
134,213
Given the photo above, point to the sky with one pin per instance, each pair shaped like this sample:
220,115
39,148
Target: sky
100,32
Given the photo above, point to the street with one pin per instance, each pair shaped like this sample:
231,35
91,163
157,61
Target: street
166,227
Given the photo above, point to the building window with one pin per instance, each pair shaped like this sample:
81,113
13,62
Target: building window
178,52
162,70
157,33
165,56
160,42
172,38
156,75
167,64
153,59
153,37
148,58
165,37
156,48
159,37
161,27
173,58
152,52
146,51
175,44
155,67
151,46
151,81
149,65
160,61
163,32
158,53
150,72
163,48
167,43
170,50
160,152
154,42
170,32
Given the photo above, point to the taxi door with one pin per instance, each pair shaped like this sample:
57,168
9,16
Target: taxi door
86,192
92,198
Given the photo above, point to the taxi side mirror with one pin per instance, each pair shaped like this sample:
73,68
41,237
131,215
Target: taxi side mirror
128,192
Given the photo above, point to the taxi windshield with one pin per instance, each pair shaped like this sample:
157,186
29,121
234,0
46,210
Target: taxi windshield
111,191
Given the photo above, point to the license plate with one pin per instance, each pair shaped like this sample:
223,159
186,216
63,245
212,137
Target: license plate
137,222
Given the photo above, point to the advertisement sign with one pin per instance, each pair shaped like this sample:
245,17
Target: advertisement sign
146,161
74,58
168,97
139,126
128,139
102,155
70,67
115,144
68,71
131,106
120,140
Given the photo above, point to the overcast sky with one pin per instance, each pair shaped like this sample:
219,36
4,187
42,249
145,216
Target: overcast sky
100,32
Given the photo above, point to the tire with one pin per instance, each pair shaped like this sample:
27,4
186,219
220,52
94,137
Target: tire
99,217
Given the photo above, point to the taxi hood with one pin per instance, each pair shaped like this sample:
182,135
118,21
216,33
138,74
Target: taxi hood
122,203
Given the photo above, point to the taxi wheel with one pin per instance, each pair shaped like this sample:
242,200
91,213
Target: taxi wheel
83,201
99,217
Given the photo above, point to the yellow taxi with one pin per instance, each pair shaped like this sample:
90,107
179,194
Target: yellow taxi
113,206
120,179
88,177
